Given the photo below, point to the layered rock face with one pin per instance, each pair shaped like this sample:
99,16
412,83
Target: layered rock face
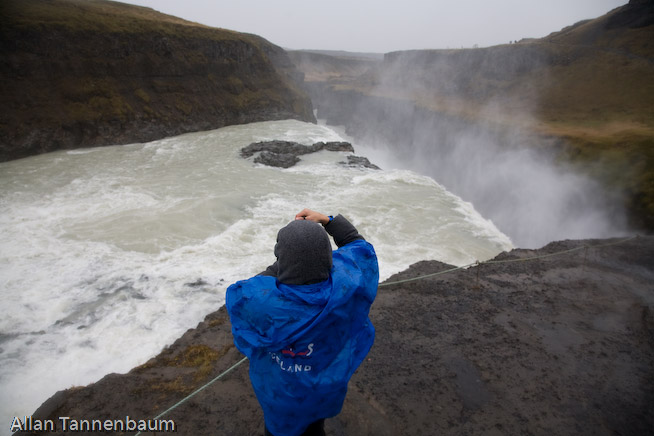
88,73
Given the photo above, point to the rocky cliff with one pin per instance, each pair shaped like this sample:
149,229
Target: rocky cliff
583,95
81,73
558,340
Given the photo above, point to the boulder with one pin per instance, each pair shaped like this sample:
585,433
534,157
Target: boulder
284,154
281,160
360,161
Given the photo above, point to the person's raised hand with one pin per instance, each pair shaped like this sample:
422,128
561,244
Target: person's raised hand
308,214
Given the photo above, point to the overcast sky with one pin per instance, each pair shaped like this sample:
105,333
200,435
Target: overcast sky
382,26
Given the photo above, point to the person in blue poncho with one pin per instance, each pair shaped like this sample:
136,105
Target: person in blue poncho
303,322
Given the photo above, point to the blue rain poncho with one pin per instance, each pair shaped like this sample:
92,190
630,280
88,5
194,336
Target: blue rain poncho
304,342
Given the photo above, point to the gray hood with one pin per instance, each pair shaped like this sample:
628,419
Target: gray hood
304,253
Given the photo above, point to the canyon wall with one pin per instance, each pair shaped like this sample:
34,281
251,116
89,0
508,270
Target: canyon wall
89,73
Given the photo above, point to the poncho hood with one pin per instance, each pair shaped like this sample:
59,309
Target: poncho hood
304,253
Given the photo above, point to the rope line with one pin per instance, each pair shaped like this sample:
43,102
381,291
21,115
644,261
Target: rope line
413,279
524,259
188,397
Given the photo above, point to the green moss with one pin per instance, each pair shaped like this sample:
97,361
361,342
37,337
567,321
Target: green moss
624,163
201,357
142,95
178,385
217,322
234,85
147,112
184,106
195,356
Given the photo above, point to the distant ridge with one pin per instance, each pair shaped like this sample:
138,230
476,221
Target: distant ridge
346,54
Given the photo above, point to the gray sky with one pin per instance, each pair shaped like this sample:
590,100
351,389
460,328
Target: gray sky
383,26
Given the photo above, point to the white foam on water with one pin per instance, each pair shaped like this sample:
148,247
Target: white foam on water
109,254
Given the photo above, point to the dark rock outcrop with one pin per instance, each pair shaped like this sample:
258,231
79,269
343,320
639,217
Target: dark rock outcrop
360,161
88,73
281,160
284,154
293,147
563,345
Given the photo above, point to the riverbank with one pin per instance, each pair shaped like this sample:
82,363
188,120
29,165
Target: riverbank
561,344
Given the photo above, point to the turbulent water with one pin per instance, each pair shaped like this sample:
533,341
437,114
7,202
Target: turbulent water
108,254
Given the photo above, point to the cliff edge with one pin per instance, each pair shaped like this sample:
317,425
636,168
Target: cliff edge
558,340
95,72
583,94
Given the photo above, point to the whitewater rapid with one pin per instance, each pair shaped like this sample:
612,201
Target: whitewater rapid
108,254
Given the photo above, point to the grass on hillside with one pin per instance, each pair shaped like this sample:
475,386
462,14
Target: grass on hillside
598,99
105,16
